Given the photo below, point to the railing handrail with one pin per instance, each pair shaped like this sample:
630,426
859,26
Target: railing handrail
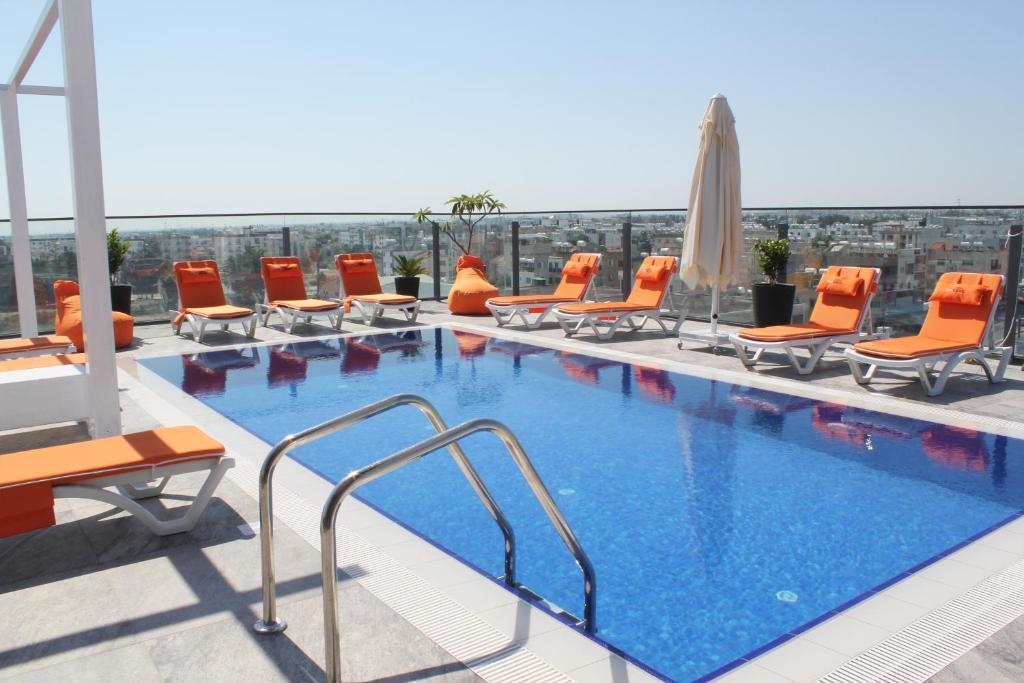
251,214
328,520
269,623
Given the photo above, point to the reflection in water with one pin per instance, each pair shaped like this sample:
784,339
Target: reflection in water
288,363
471,345
362,354
206,373
710,465
655,383
769,408
583,368
827,420
955,447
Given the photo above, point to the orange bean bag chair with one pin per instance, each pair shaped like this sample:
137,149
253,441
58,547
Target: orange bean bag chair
69,317
471,288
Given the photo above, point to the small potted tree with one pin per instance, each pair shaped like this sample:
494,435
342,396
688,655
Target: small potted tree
772,300
471,289
407,275
120,294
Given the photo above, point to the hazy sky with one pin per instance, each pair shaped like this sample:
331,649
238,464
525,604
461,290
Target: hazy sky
248,105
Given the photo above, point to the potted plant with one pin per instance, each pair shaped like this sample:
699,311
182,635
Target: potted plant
120,294
464,208
407,275
772,300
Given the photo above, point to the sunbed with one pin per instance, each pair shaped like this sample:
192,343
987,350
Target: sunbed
842,314
137,465
201,301
360,288
286,295
577,284
23,347
650,288
43,390
960,315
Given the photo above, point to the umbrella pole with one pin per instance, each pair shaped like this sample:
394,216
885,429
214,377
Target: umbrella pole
714,304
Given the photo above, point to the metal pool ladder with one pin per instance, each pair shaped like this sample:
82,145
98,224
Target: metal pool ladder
445,437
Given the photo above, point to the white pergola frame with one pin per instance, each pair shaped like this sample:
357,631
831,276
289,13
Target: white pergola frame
79,92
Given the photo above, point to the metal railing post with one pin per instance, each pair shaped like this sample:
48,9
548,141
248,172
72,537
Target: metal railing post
269,622
435,258
1013,248
515,258
449,437
286,241
627,259
782,233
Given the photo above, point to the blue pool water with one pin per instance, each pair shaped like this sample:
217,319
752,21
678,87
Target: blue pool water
718,517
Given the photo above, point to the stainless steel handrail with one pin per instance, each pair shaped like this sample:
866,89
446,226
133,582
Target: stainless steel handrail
328,519
270,623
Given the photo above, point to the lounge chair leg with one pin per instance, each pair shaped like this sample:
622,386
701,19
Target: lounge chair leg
144,491
741,352
161,527
859,376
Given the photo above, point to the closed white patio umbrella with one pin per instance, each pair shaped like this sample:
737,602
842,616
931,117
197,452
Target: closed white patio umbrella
714,231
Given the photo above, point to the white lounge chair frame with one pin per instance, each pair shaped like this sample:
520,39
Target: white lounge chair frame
507,313
29,353
941,363
572,323
369,311
199,323
136,485
290,316
816,346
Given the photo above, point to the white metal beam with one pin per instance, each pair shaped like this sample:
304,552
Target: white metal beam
22,254
40,33
35,89
89,211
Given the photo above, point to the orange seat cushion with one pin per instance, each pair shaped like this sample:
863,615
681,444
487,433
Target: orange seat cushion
548,299
796,331
307,304
471,290
576,268
605,307
34,362
220,312
907,348
973,295
27,477
23,344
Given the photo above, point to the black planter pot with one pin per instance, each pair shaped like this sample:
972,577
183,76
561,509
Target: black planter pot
773,304
121,298
407,286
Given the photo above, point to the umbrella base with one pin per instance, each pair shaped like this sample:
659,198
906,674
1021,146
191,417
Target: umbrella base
705,337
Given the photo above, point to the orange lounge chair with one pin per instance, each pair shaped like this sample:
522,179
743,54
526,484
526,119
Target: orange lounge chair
201,301
577,284
23,347
360,288
286,295
650,288
960,315
842,314
31,480
44,390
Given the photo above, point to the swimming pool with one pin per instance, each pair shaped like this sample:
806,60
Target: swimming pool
719,518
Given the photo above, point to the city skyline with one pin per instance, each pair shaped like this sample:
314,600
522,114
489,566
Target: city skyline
252,107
